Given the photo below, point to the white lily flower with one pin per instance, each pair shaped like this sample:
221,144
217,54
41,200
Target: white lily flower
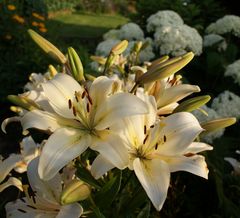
157,149
82,119
18,162
168,92
45,202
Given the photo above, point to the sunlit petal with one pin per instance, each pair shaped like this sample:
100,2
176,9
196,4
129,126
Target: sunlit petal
111,147
45,121
176,93
195,164
116,107
197,147
59,90
12,181
100,166
179,131
8,164
62,146
154,176
9,120
100,89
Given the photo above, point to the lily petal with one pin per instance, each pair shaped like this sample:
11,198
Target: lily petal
112,148
20,209
176,93
70,211
48,190
63,145
9,120
154,176
45,121
179,131
197,147
8,164
100,89
59,90
116,107
100,166
168,109
12,181
195,164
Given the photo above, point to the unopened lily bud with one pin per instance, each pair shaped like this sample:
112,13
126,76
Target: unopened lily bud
90,77
158,61
165,69
76,65
214,125
75,191
52,70
137,46
192,104
48,47
22,102
138,71
99,59
110,61
120,47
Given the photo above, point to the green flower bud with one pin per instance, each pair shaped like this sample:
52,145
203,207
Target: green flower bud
120,47
75,191
76,65
52,70
23,102
192,104
214,125
48,47
165,69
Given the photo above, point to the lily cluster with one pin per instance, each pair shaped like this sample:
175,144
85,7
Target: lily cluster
129,118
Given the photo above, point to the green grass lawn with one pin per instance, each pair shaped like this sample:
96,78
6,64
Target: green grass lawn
81,31
87,26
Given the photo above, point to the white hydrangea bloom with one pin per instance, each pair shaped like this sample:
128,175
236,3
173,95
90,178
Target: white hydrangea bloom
215,39
233,70
112,34
104,47
226,24
177,40
145,55
163,18
212,114
131,31
227,104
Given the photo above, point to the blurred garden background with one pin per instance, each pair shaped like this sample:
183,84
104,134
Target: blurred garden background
92,27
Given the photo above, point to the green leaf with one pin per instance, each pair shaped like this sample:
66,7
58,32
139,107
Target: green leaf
109,191
145,211
86,176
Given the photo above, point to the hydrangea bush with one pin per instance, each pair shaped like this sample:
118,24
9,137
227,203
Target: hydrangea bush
111,143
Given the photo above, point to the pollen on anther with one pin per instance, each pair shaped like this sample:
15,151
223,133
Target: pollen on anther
144,141
88,108
84,94
23,211
145,129
156,146
164,138
74,111
69,104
